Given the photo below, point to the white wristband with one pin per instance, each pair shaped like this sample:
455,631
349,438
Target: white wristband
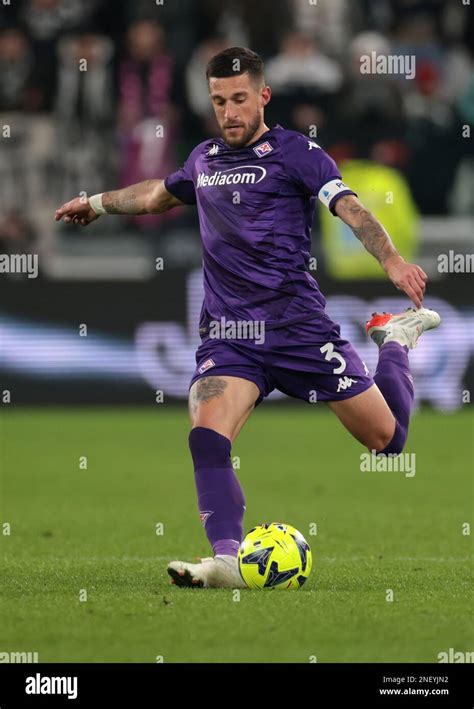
96,203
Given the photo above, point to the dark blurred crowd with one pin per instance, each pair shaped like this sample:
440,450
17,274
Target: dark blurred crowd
87,87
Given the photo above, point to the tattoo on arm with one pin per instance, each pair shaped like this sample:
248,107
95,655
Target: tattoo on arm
129,200
366,227
147,197
204,390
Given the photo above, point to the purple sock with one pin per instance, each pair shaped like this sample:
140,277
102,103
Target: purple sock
394,380
220,498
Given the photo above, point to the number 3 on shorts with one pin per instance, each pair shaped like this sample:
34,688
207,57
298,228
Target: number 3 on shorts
329,354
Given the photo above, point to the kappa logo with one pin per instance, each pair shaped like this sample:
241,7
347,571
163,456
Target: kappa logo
204,516
345,383
207,365
263,149
214,150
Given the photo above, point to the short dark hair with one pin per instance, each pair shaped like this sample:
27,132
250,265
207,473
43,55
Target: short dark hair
234,61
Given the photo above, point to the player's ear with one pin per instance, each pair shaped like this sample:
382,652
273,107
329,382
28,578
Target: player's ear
266,95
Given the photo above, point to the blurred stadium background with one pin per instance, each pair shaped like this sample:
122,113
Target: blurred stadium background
95,95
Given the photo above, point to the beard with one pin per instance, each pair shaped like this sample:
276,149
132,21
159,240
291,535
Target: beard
247,136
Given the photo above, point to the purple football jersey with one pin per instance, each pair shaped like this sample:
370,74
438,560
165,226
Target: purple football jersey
256,208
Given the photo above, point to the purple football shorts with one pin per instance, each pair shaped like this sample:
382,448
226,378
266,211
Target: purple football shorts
307,360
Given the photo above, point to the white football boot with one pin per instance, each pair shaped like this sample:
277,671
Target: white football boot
221,571
404,328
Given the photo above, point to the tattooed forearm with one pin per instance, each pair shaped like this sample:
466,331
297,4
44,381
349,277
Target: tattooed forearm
147,197
367,228
118,203
205,389
129,200
374,237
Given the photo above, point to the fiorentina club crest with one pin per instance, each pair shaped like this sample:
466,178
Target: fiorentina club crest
263,149
204,516
207,364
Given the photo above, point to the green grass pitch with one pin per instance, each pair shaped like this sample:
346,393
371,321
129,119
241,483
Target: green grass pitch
95,530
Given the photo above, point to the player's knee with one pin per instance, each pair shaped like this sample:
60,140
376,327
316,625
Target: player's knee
380,439
209,448
389,447
394,442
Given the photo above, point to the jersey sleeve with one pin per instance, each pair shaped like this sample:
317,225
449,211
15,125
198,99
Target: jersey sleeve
315,172
181,184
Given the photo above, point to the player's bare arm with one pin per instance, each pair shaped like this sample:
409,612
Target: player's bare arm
147,197
408,277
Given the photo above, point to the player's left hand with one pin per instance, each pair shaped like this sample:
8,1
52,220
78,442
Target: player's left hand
409,278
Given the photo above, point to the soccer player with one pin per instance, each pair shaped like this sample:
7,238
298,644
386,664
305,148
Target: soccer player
255,189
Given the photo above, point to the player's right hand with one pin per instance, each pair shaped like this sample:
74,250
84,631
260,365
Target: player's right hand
77,211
